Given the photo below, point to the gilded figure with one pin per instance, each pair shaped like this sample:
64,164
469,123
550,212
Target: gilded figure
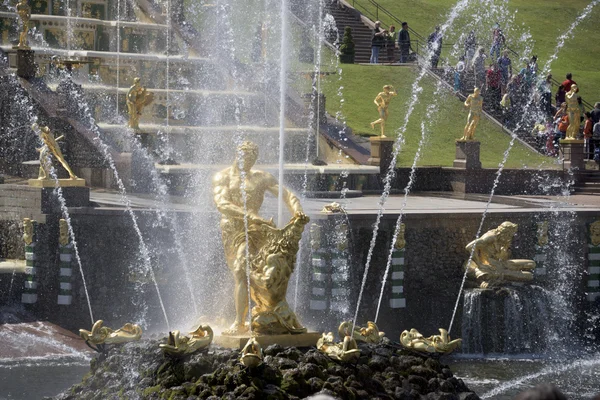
24,12
368,334
137,98
63,232
50,148
441,343
382,101
595,233
252,353
28,231
272,251
542,233
101,335
400,241
574,113
474,103
179,345
346,351
491,264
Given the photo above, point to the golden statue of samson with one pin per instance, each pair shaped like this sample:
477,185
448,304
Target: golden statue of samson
269,254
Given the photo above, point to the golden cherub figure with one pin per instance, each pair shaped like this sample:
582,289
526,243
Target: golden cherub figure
475,104
382,101
50,148
137,98
24,11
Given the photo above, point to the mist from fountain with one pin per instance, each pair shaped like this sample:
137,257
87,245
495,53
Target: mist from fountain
145,254
117,23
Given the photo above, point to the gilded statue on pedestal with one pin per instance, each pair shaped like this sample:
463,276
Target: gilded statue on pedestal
346,351
574,113
24,11
179,345
382,101
50,148
271,251
475,104
368,334
137,98
491,264
101,335
441,343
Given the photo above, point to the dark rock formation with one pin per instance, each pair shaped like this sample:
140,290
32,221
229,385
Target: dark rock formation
141,371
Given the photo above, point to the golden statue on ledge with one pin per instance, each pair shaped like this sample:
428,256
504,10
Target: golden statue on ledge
574,113
441,343
50,148
100,335
24,12
346,351
252,354
368,334
491,264
179,345
271,253
137,98
382,101
475,104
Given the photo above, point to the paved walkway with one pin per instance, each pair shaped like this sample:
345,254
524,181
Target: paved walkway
425,203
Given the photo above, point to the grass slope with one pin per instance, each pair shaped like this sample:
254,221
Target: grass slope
545,20
362,83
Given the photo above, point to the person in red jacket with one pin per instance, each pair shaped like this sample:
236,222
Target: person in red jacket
567,83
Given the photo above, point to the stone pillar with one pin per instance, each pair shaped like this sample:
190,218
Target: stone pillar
397,299
26,67
30,286
467,155
593,259
65,250
381,152
573,154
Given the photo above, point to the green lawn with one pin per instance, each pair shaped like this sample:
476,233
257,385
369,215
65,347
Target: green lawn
361,85
545,20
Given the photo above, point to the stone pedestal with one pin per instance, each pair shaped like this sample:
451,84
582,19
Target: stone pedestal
381,152
51,183
467,155
307,339
26,67
573,154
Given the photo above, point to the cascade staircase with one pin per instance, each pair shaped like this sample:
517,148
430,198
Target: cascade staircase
362,32
206,110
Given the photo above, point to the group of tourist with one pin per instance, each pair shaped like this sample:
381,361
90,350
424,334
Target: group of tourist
389,40
507,93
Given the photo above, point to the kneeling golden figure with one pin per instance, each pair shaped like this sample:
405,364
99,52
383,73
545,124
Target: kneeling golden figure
491,264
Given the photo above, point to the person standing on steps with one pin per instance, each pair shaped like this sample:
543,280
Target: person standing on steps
404,43
434,46
377,42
